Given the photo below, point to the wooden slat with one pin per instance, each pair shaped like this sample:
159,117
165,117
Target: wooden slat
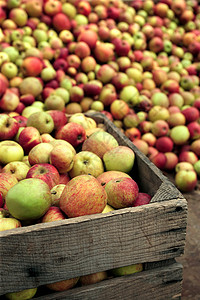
157,284
43,253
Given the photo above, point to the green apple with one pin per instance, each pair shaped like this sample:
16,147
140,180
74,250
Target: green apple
197,167
186,180
127,270
130,95
22,295
120,158
97,105
29,199
29,110
31,85
86,162
10,151
48,74
12,52
180,134
9,70
42,121
63,93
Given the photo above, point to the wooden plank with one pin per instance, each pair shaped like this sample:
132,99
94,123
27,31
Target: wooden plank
156,284
43,253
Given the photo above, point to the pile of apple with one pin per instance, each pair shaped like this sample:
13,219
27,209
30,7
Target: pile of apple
138,63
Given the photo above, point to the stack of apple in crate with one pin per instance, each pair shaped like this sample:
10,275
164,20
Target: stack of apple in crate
115,213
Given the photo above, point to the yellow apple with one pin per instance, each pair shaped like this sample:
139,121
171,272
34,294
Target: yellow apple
10,151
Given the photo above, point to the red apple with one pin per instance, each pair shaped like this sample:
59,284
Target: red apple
142,199
73,133
28,138
83,195
164,144
58,117
32,66
8,127
45,172
53,214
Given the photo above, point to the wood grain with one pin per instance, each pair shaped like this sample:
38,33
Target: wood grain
157,284
39,254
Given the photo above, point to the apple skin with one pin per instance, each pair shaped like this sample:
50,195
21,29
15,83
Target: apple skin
53,214
58,117
62,158
159,160
18,168
127,270
42,121
86,162
99,143
73,133
180,134
188,156
31,66
186,180
191,114
93,278
106,176
197,167
83,195
121,192
46,172
57,142
120,158
184,166
141,145
194,129
9,223
8,127
195,147
10,151
6,182
56,192
164,144
29,137
142,199
171,162
29,199
25,294
40,154
9,101
63,285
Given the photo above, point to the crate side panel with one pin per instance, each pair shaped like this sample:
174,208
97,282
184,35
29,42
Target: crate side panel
156,284
51,252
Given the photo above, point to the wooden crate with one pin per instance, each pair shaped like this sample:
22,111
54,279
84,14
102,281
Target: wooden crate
152,234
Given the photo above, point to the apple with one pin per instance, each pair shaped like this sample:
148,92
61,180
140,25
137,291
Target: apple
197,167
73,133
9,101
32,66
179,134
10,151
164,144
158,112
119,109
56,192
62,158
46,172
149,138
184,166
6,182
57,142
46,138
176,119
141,145
188,156
142,199
29,199
191,114
29,137
126,270
8,127
106,176
86,162
83,195
186,180
121,192
195,147
171,162
40,153
42,121
18,168
120,158
93,278
63,285
31,85
53,214
9,223
132,133
159,160
99,143
130,95
84,121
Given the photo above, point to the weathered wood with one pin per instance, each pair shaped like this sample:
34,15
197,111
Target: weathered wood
156,284
43,253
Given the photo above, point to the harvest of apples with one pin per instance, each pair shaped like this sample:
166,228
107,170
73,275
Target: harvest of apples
136,62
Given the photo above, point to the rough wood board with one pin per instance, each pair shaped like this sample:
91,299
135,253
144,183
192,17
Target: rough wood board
157,284
39,254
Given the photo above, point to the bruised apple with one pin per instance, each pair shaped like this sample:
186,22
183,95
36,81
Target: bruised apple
83,195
